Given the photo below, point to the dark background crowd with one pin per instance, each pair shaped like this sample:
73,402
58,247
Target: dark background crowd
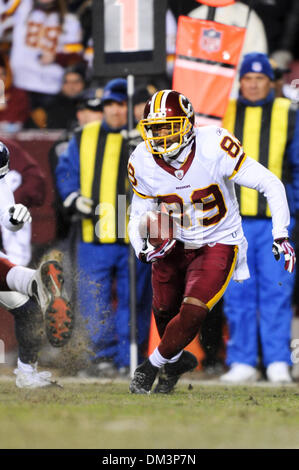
56,90
34,107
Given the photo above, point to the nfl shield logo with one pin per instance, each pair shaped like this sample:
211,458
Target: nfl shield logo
210,40
179,174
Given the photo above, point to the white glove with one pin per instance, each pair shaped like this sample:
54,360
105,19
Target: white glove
80,204
149,253
19,215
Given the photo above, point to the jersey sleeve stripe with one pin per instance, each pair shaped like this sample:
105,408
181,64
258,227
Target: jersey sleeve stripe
13,8
238,165
89,50
141,195
72,48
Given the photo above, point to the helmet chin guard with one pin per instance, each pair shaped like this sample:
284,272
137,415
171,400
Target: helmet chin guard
174,112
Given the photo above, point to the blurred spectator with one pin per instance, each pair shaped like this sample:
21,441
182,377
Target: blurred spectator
261,307
89,106
237,15
62,218
14,103
45,40
91,176
281,21
140,97
61,113
88,109
278,82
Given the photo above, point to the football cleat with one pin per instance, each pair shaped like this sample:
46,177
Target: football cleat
47,287
144,377
28,377
171,372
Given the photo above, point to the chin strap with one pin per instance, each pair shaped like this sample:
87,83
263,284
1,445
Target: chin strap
173,156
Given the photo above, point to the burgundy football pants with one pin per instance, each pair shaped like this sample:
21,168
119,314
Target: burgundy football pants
203,274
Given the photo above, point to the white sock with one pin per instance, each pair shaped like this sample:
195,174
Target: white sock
18,278
156,359
176,357
25,367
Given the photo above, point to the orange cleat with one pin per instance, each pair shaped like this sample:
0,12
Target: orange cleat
47,286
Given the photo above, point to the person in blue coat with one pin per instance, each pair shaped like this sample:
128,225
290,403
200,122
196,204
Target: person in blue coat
91,177
259,311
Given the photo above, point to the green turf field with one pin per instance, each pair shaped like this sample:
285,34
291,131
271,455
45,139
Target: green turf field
106,416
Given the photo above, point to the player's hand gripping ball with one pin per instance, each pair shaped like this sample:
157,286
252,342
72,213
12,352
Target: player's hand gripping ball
158,230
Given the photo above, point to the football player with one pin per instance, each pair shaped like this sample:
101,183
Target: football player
192,172
33,296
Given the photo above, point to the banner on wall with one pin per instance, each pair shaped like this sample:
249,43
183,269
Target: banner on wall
207,56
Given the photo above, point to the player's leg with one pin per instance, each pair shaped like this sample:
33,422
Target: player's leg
208,272
29,327
168,288
168,283
144,294
46,286
203,281
207,278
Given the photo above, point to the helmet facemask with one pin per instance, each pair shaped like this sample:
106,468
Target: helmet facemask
178,131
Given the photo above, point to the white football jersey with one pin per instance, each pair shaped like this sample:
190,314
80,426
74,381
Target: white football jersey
34,33
199,188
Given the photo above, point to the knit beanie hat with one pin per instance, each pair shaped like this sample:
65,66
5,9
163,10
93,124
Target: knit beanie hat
258,63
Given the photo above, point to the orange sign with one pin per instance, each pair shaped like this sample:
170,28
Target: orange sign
207,55
216,3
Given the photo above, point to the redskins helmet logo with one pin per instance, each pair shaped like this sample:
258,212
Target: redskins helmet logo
186,106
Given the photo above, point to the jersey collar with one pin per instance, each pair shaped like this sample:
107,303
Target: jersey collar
180,172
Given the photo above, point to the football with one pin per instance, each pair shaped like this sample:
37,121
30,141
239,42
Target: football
157,226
